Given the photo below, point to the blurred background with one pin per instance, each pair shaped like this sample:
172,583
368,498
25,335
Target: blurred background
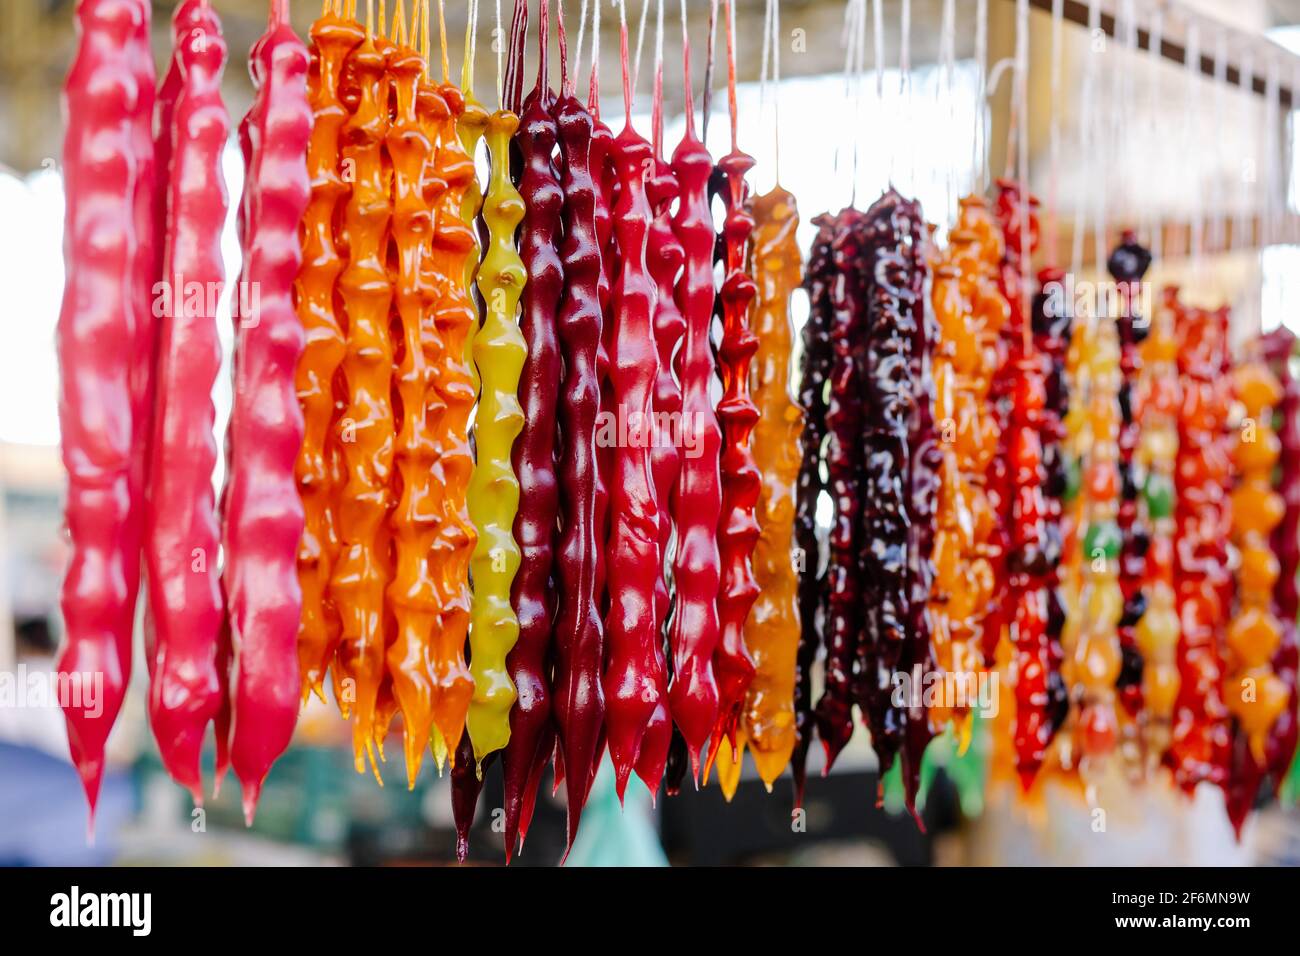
1117,138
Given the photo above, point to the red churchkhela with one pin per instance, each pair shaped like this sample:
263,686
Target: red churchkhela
181,529
108,248
737,413
693,693
631,692
264,517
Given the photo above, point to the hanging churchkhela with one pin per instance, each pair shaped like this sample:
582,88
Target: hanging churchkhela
262,515
740,480
693,693
1277,348
551,483
109,225
664,257
579,700
185,606
1156,634
333,38
817,366
631,691
1128,264
532,734
452,254
1199,748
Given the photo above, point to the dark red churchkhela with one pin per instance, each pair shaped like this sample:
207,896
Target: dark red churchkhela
664,257
817,362
532,734
844,588
899,468
1280,748
579,699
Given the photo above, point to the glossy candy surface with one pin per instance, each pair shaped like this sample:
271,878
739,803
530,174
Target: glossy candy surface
1253,693
579,699
631,692
106,101
333,38
1200,744
362,573
1278,347
185,606
693,693
1156,634
1128,264
532,734
263,516
772,629
737,415
817,365
499,353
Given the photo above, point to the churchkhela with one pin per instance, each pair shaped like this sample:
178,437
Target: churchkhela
533,467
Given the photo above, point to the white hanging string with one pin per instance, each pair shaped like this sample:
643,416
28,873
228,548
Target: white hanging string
499,43
471,44
943,91
1247,173
1085,148
1098,121
640,38
860,75
1276,196
770,78
1218,220
582,32
595,54
1054,132
709,64
777,40
1124,195
980,161
1293,132
905,91
852,89
1156,235
1192,66
1022,152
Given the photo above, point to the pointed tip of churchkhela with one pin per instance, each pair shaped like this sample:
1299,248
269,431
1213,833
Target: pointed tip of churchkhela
1027,776
252,793
91,773
832,749
621,776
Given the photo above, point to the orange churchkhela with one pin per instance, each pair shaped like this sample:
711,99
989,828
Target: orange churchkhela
366,424
1253,693
772,628
412,595
453,250
333,38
